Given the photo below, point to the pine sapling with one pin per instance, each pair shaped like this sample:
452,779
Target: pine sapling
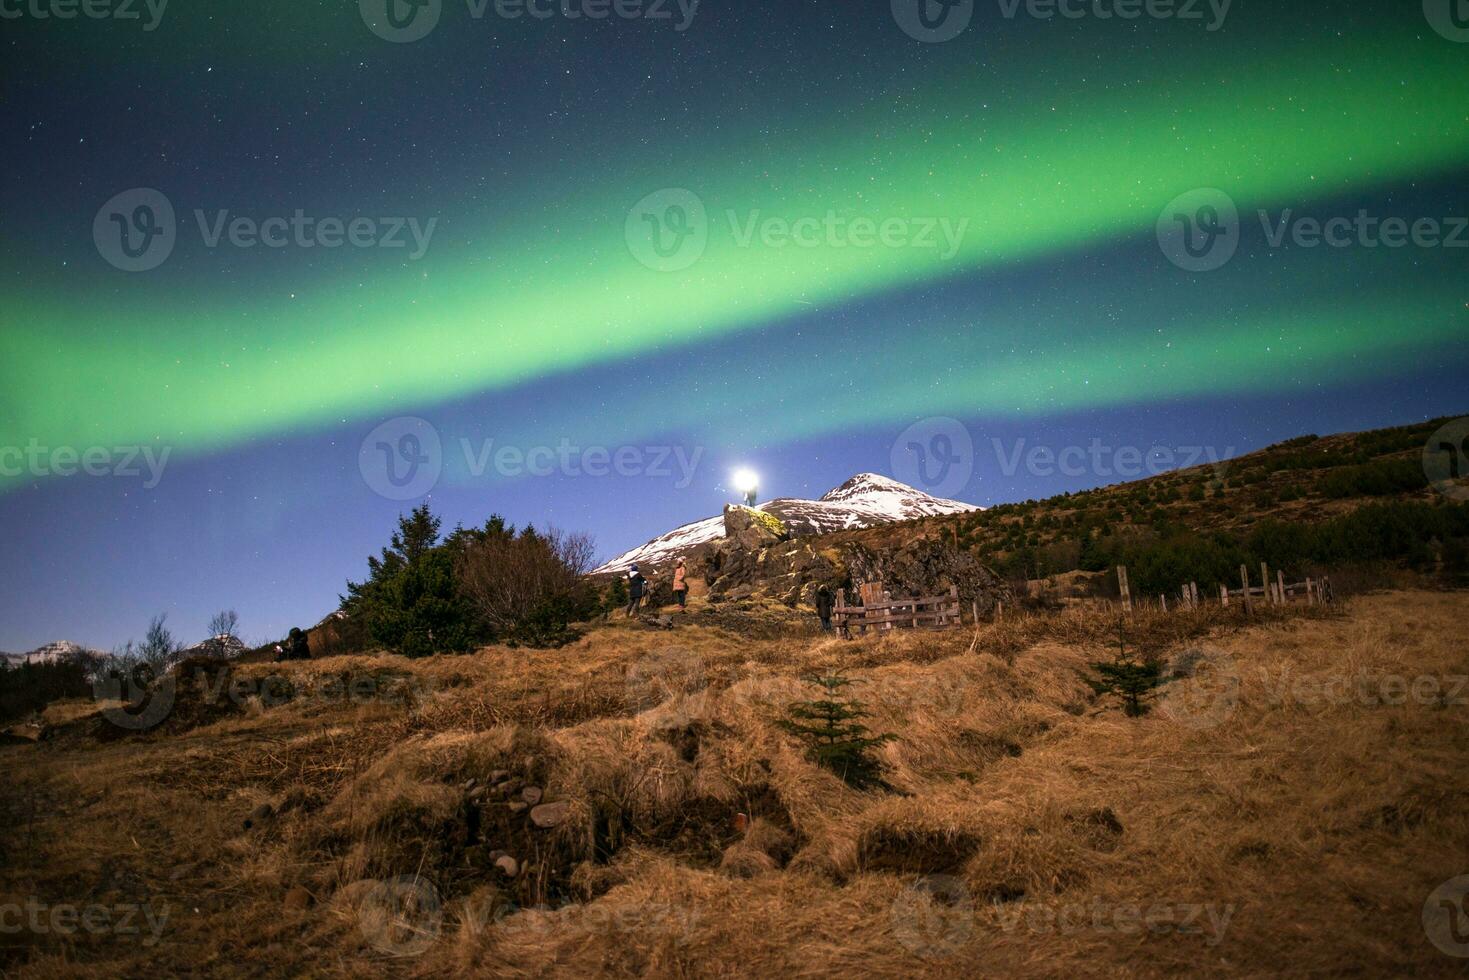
834,735
1128,679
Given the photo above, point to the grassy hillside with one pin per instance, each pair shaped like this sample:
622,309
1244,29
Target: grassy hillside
345,816
1310,504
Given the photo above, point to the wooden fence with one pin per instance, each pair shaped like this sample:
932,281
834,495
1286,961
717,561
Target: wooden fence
880,611
1279,592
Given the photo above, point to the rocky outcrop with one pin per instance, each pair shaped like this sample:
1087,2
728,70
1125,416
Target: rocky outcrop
792,571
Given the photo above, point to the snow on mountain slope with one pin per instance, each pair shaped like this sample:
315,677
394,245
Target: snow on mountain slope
866,500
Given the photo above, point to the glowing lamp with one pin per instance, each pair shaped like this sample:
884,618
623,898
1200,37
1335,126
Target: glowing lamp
747,483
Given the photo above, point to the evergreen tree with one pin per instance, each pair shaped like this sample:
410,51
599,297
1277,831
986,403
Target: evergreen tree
616,595
834,736
1128,679
409,603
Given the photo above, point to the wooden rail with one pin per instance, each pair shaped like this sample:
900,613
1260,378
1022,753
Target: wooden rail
881,611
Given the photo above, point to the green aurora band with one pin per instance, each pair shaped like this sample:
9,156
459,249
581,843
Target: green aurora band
1036,180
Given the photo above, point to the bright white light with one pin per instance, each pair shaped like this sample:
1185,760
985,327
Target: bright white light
746,480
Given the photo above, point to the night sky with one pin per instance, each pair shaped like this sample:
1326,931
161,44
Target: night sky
766,233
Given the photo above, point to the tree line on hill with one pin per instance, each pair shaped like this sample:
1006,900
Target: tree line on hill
490,584
1426,537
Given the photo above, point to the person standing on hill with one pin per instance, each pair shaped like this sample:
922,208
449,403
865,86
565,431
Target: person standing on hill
680,584
635,585
824,605
296,646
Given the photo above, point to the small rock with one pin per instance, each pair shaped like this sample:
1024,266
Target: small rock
297,899
741,823
549,815
468,784
478,793
532,794
508,865
519,807
499,776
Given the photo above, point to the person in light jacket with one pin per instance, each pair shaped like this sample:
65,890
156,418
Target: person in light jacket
680,584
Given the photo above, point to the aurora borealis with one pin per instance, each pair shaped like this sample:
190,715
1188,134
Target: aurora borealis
529,319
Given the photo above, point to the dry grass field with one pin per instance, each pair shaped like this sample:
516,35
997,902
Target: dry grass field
1287,808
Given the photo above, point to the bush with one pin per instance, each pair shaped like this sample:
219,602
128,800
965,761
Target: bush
1380,479
527,588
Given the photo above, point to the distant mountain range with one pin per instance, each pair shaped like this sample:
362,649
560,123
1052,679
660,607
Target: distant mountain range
218,646
866,500
60,650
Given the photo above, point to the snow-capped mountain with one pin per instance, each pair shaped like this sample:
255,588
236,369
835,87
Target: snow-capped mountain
223,646
865,500
60,650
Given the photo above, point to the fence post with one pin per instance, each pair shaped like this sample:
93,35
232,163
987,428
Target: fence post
1265,584
1122,588
1193,595
1163,602
1223,594
1244,578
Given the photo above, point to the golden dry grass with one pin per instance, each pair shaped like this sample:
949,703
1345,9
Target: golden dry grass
1258,822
